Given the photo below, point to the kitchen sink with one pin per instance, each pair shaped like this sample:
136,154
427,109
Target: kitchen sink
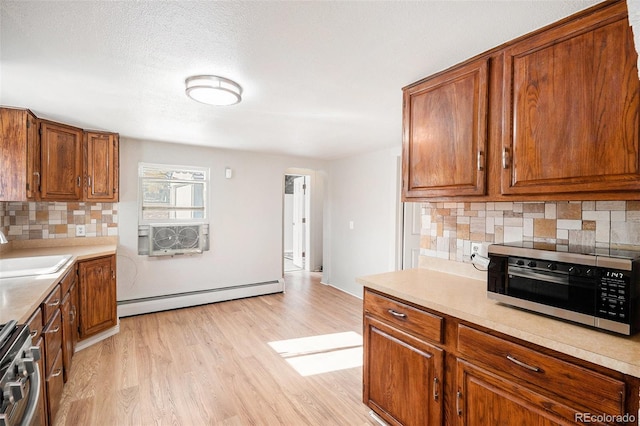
34,265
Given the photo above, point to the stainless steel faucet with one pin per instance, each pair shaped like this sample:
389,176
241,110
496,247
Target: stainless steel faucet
3,239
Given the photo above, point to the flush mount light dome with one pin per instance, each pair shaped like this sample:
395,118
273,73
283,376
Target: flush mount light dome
213,90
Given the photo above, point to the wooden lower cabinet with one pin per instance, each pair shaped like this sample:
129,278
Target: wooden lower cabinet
69,328
56,325
55,383
98,308
41,415
35,327
484,398
52,373
403,376
467,375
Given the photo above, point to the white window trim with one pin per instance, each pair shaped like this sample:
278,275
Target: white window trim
141,179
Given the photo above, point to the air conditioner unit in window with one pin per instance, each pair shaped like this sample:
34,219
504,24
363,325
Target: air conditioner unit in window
169,240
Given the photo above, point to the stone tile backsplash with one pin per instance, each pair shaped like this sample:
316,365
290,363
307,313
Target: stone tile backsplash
448,229
34,220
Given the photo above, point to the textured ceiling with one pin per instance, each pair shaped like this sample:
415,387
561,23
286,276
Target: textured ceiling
321,79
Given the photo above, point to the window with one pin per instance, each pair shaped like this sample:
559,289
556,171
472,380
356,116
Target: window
172,193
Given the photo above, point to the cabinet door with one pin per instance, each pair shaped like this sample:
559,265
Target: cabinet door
483,398
445,134
402,376
66,309
97,295
101,157
54,385
571,108
41,415
20,150
61,162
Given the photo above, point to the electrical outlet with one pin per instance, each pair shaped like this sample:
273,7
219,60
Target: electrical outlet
481,249
80,231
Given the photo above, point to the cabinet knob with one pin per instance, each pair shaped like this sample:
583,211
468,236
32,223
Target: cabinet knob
480,163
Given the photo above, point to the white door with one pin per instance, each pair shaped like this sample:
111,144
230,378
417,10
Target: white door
412,222
299,221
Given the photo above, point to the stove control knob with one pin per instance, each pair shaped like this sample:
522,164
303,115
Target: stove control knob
532,264
27,366
520,262
574,271
14,391
35,353
552,266
589,272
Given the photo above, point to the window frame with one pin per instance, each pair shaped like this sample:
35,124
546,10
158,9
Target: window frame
142,205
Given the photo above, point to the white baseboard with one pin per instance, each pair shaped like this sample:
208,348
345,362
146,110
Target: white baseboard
85,343
175,301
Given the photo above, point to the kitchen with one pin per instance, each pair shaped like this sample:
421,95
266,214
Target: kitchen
239,213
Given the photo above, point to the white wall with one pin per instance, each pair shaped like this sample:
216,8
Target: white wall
245,216
363,189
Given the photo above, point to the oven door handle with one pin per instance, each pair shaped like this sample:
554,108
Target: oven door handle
34,396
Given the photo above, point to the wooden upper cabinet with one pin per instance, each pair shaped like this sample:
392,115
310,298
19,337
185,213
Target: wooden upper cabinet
571,108
20,149
445,133
48,161
101,160
61,147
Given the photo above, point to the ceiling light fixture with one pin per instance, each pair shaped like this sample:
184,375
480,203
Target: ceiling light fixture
213,90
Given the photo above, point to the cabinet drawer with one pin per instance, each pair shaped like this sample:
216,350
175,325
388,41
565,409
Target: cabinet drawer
51,304
55,384
405,317
52,340
593,390
67,281
35,325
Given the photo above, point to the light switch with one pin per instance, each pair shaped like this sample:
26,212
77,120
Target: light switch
350,224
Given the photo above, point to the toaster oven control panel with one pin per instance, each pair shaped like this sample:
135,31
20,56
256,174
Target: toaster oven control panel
613,294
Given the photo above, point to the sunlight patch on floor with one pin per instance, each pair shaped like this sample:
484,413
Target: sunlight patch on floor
322,353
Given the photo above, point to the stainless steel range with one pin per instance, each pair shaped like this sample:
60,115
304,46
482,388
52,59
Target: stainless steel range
19,376
596,287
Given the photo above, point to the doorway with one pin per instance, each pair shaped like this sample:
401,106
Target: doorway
296,241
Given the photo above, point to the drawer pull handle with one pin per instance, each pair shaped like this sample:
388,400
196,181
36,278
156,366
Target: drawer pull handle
34,333
524,365
55,330
397,314
458,407
57,372
505,158
436,393
54,304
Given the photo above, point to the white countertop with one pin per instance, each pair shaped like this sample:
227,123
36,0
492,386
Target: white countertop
466,298
21,296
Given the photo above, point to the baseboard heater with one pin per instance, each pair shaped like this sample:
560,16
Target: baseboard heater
194,298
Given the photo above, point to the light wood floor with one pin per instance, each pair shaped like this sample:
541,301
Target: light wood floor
213,365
